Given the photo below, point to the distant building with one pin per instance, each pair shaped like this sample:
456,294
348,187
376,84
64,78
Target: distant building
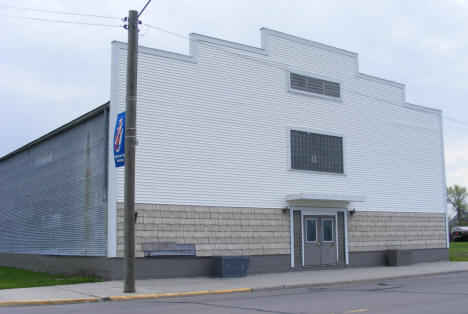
284,153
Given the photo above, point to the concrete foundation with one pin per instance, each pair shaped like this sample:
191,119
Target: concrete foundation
183,266
379,258
71,265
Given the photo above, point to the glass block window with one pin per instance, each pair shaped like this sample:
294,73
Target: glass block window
316,152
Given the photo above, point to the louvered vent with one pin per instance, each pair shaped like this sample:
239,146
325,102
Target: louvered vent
314,85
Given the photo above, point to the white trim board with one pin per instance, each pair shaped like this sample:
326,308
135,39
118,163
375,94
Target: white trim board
325,197
111,170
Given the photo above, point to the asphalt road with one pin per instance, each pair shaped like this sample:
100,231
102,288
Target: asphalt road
435,294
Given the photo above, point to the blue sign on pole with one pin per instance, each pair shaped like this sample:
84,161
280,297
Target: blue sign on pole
119,140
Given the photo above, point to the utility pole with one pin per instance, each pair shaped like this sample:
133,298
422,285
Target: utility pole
130,142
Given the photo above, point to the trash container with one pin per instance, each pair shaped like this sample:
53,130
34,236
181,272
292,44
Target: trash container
231,266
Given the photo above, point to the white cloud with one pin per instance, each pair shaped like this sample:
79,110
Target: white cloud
16,79
66,68
456,161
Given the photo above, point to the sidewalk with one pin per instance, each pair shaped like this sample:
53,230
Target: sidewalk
154,288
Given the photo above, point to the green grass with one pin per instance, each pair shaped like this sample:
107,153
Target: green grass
458,258
458,251
20,278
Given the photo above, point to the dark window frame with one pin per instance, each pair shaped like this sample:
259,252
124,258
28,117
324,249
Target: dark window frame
316,152
307,230
332,233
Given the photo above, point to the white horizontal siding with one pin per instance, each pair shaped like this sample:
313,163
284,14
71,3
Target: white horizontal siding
334,65
215,132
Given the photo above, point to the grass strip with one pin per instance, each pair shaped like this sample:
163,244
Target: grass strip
11,277
458,251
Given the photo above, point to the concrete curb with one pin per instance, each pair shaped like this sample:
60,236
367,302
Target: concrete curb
121,297
47,302
343,282
176,294
211,292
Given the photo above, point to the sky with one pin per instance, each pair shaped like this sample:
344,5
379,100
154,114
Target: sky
51,73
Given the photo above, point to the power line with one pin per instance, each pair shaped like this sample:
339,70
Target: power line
280,67
455,120
59,12
57,21
141,12
166,31
267,63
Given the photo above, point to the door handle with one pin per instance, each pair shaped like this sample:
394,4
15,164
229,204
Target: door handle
318,243
333,244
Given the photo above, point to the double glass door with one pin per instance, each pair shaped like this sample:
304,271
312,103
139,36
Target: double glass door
319,240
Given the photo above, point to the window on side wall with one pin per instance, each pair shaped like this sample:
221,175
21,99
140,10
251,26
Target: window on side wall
316,152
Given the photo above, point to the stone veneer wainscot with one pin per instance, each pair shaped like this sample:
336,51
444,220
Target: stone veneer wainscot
213,230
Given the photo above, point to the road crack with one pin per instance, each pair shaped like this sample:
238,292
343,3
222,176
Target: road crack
233,307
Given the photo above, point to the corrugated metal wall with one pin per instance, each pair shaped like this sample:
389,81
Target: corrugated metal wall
52,195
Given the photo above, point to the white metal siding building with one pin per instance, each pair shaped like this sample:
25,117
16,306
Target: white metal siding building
214,138
285,153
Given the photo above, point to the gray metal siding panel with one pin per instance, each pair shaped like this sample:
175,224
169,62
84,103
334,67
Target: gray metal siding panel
51,195
297,239
341,239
